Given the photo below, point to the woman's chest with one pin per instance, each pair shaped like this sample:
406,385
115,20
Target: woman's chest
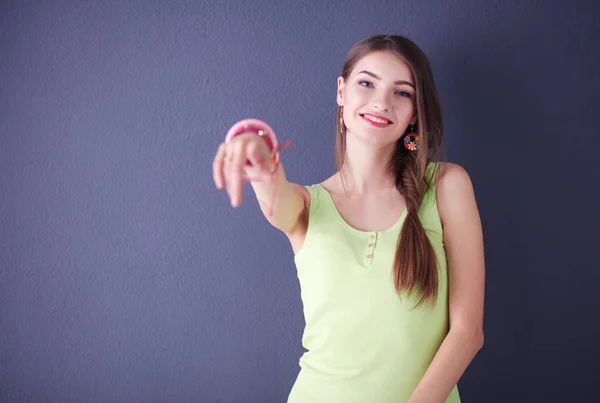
370,213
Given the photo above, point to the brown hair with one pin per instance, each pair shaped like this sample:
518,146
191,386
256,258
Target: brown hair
415,265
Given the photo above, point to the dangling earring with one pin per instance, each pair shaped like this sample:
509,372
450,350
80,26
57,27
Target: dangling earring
411,140
341,120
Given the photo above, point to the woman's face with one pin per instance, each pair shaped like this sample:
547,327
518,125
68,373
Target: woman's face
378,98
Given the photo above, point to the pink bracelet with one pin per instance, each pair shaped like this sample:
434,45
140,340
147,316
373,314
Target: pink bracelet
268,134
256,126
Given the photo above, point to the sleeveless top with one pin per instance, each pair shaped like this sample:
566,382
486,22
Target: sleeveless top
364,343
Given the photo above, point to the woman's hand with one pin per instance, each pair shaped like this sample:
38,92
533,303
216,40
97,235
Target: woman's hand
247,153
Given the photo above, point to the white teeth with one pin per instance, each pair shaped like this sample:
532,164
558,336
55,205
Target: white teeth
375,119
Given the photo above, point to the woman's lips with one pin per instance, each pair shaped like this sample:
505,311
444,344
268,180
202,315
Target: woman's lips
377,121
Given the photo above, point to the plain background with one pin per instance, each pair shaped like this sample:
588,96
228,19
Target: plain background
125,276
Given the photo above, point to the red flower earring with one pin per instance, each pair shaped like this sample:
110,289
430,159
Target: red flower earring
411,140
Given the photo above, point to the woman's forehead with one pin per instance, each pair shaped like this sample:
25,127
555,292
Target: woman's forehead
386,65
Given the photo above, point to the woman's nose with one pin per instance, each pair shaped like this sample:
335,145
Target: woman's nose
381,101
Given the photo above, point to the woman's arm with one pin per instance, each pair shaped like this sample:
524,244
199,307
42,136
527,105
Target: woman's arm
284,207
463,240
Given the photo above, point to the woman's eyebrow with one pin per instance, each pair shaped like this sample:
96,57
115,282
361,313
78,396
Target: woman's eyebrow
375,76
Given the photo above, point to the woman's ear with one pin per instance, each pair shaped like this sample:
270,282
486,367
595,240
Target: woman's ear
340,91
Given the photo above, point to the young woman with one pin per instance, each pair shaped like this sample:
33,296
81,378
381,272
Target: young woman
389,250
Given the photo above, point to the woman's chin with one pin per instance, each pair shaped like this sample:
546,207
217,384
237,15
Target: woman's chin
376,137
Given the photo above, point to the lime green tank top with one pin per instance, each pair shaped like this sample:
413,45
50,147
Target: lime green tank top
364,344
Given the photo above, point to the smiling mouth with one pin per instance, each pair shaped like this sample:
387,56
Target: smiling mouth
377,121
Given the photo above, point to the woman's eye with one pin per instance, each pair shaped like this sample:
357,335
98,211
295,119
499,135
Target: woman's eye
364,83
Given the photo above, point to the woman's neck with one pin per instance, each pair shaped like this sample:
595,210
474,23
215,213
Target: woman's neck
367,169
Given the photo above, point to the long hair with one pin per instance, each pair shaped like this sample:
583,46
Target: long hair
415,264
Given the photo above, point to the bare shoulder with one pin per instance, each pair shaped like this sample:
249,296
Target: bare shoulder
454,192
302,191
450,172
299,228
297,234
331,184
328,184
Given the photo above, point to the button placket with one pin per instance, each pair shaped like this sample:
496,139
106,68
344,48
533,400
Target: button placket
370,247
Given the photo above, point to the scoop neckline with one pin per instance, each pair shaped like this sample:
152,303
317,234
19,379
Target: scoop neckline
356,230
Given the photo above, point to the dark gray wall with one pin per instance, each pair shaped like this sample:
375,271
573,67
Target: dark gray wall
126,277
